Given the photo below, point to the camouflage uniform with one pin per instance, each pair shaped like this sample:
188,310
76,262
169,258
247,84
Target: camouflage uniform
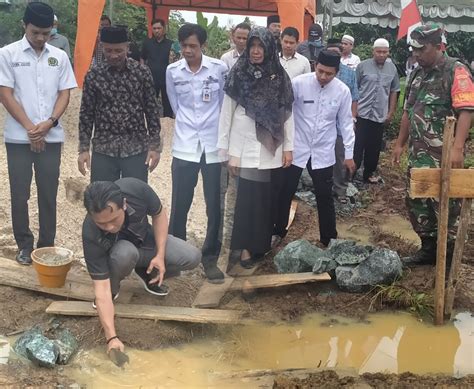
428,102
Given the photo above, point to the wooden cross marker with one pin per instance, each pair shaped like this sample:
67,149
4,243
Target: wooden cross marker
446,183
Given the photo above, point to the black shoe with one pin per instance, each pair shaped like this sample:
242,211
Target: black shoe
426,255
248,263
114,297
213,273
151,288
24,257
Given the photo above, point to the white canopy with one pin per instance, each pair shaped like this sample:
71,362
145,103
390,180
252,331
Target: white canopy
455,15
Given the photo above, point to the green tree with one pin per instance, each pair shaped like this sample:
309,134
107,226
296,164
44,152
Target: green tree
217,37
176,20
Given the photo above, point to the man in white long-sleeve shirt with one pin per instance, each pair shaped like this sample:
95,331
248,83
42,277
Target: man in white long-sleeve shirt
195,90
322,104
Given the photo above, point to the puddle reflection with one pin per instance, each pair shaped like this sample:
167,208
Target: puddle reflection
392,343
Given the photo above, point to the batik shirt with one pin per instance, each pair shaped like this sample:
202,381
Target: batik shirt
115,104
432,95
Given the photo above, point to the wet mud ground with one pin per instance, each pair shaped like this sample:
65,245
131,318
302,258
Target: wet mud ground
21,309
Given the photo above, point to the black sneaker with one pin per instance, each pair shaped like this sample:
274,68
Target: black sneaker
23,257
151,288
114,297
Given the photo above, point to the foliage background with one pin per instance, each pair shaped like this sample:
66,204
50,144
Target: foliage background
460,44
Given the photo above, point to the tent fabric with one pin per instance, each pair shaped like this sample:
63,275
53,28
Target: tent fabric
88,20
296,13
454,15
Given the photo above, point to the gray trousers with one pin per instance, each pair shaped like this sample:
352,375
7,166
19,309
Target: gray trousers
340,172
125,256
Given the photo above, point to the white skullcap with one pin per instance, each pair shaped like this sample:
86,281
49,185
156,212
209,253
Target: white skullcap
55,18
381,42
348,38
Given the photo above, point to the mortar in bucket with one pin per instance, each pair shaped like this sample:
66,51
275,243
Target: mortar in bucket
51,265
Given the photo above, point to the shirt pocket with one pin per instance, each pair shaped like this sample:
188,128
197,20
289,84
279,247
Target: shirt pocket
182,89
330,108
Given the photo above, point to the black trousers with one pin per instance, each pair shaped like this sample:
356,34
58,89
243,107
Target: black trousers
368,142
184,175
252,227
106,168
167,110
287,181
21,162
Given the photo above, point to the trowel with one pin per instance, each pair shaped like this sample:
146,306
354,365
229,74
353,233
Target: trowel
118,357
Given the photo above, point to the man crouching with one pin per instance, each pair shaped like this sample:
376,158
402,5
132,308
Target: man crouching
117,239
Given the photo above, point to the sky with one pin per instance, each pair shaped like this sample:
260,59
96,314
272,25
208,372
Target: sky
224,19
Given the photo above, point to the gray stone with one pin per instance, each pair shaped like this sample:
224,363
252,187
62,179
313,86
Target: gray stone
20,345
354,255
42,351
298,256
351,190
347,252
67,346
308,197
306,180
383,266
323,265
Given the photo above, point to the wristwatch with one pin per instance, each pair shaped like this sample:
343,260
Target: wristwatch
54,120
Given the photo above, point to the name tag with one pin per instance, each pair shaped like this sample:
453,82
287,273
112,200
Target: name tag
206,94
308,101
20,64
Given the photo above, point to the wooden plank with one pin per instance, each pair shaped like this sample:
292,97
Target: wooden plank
464,221
448,139
276,280
77,286
425,183
149,312
210,295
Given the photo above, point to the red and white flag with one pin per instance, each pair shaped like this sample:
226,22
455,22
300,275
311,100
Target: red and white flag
409,19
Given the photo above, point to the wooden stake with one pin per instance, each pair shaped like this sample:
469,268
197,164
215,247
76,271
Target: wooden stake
448,138
464,221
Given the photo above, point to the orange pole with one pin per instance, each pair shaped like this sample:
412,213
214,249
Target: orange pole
88,20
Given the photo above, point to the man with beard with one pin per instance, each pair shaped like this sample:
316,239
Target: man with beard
274,26
379,85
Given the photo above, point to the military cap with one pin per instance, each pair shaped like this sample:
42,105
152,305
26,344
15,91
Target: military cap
426,33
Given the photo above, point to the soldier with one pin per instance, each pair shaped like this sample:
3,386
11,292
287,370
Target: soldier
441,86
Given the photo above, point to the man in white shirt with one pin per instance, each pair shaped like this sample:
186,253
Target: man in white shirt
322,104
294,63
348,58
239,38
35,83
195,90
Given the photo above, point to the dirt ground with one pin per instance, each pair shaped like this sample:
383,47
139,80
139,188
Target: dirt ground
22,309
329,379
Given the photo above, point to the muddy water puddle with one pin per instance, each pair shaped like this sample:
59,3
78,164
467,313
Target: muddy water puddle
391,224
392,343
